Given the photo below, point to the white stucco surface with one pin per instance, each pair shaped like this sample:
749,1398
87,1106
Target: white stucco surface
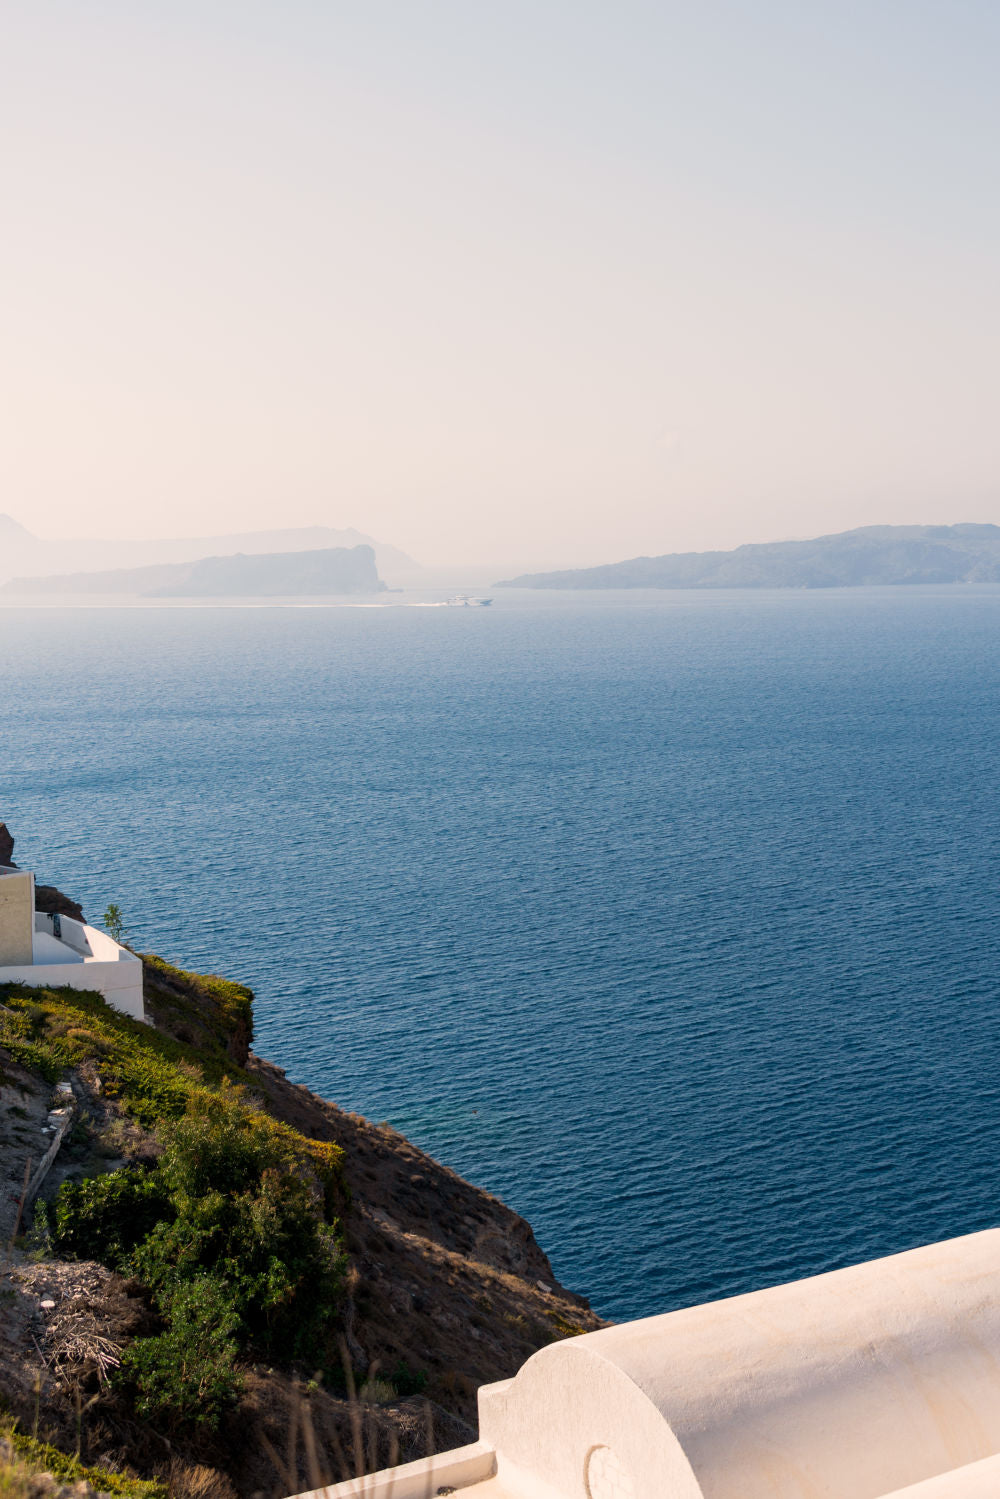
845,1386
975,1481
880,1381
17,910
461,1469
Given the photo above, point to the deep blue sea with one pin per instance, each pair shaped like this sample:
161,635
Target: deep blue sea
672,919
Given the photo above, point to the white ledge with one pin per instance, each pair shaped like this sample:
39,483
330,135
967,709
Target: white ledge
460,1469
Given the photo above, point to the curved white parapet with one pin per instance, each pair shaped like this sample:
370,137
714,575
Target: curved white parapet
854,1385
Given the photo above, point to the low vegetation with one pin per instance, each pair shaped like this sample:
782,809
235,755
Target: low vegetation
151,1074
22,1457
233,1230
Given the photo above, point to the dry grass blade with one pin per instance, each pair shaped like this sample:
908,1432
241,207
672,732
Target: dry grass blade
357,1431
286,1476
309,1443
429,1423
372,1427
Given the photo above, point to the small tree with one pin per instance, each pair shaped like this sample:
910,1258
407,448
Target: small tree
114,922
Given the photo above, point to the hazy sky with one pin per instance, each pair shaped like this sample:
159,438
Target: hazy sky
539,280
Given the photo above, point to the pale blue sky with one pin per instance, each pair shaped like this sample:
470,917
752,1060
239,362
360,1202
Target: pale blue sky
541,282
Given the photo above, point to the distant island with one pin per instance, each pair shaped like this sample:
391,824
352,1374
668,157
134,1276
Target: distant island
24,555
316,573
866,557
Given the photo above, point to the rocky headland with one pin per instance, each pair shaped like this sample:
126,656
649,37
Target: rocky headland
866,557
319,572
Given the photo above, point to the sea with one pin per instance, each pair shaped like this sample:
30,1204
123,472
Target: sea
673,919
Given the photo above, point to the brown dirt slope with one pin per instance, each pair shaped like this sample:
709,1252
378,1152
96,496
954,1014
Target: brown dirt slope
443,1275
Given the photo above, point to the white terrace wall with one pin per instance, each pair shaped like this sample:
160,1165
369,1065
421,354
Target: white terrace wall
88,959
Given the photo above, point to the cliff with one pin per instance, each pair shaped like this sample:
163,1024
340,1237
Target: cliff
319,572
869,556
420,1287
72,562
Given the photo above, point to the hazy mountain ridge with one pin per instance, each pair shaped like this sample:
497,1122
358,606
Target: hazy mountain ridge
866,557
330,570
23,555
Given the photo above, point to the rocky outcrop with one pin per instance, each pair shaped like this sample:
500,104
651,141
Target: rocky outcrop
48,900
51,902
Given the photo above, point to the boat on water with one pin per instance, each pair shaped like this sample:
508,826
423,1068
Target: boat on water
463,601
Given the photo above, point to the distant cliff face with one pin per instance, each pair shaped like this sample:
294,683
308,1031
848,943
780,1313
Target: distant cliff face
41,563
319,572
869,556
332,570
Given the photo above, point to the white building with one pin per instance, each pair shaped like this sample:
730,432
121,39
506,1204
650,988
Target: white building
52,951
881,1381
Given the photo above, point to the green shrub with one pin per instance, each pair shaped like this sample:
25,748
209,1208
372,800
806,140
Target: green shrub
248,1208
408,1381
188,1373
149,1087
114,922
106,1217
23,1033
35,1057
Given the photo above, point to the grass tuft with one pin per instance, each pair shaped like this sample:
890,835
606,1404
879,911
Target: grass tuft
39,1457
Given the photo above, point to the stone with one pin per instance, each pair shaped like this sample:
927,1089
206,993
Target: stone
50,901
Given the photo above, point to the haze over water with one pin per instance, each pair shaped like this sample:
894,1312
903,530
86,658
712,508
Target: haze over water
672,919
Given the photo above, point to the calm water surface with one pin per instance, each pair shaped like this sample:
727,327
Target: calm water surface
673,919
